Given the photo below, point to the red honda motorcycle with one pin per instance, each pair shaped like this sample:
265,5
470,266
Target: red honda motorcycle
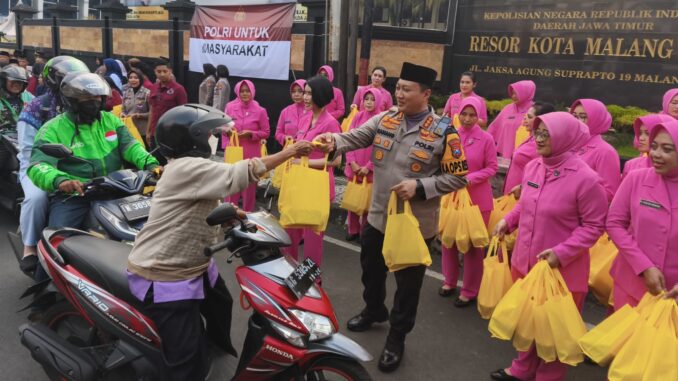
96,329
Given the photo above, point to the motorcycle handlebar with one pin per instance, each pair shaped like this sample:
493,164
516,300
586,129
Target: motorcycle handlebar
211,250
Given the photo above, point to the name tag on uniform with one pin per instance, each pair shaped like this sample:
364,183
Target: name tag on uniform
533,185
650,204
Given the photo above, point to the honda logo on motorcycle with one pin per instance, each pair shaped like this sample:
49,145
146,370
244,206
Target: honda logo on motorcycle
279,352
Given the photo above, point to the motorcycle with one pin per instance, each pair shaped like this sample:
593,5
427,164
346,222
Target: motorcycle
119,207
98,330
12,194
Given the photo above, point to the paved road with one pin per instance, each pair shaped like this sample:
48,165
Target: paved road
447,343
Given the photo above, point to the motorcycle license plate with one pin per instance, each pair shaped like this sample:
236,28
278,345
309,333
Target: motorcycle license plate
302,278
136,210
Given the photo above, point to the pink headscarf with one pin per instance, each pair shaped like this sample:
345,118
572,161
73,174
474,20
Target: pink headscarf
299,82
672,129
525,91
245,105
599,119
567,135
668,97
364,115
330,72
473,102
649,121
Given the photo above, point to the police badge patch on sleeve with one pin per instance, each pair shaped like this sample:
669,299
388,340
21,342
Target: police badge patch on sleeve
454,160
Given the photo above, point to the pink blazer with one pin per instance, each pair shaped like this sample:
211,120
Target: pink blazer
288,122
325,123
363,156
503,128
634,164
481,155
525,153
638,222
603,159
565,212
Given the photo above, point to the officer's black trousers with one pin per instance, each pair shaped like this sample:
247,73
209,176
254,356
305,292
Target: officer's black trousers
406,299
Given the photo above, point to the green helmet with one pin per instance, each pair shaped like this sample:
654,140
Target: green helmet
57,68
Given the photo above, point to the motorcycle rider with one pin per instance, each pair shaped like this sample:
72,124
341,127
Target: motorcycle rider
98,138
167,269
34,207
13,95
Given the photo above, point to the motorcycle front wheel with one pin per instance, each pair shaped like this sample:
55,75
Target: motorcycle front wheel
333,368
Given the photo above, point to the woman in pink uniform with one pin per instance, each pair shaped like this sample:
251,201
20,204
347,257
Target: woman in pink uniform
503,128
336,108
290,116
642,127
596,152
482,165
467,83
670,103
359,162
252,126
526,151
643,223
560,215
317,95
377,82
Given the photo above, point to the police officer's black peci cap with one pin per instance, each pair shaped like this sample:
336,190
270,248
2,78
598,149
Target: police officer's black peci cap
417,73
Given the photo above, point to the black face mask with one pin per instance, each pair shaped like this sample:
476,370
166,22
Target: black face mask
89,111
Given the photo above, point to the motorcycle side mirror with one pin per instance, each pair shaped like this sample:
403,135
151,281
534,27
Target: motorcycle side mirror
58,151
221,214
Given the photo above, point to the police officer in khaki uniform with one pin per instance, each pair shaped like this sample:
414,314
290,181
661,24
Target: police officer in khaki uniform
418,155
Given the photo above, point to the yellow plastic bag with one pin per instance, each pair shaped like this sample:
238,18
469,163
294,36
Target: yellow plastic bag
444,212
565,320
602,255
476,226
277,179
346,123
507,313
496,279
502,206
117,110
635,360
603,342
455,121
404,245
264,153
305,197
543,335
233,152
133,130
357,196
521,135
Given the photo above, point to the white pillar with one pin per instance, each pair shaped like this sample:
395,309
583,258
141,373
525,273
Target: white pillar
38,5
83,9
334,27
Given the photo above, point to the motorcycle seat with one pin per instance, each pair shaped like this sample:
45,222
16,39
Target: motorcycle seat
102,261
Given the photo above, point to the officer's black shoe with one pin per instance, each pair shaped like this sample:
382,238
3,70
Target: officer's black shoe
361,323
390,358
29,263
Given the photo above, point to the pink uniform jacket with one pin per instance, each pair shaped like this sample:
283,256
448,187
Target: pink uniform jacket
363,156
336,107
668,97
248,117
643,223
481,155
503,128
386,99
290,116
562,205
453,105
649,121
325,123
525,153
598,153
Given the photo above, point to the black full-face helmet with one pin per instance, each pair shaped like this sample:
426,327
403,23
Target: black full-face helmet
58,67
184,130
13,73
76,87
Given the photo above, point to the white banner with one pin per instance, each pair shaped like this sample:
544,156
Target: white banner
249,59
252,41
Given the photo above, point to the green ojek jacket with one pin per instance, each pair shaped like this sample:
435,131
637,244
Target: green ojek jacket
106,144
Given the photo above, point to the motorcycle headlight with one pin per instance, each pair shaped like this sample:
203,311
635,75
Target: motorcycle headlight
293,337
318,326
